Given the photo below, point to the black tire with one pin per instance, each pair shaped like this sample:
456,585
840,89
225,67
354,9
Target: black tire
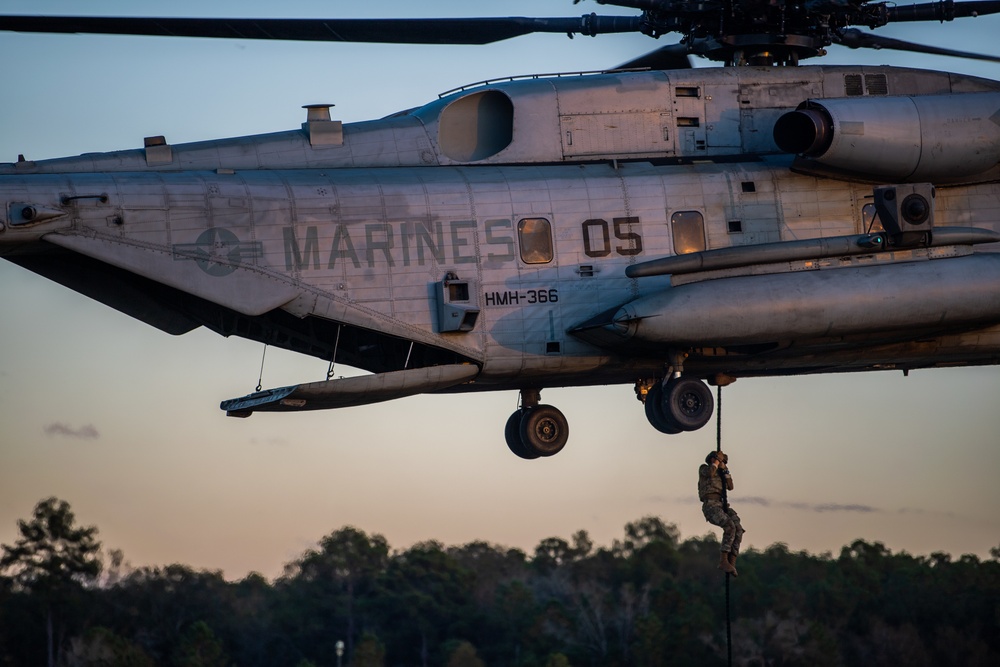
688,403
512,434
654,411
544,430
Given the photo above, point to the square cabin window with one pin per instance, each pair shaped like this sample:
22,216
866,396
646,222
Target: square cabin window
535,237
869,219
688,231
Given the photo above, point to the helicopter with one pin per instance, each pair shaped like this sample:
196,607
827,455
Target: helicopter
649,224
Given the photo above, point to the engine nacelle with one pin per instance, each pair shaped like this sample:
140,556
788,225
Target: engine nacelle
934,138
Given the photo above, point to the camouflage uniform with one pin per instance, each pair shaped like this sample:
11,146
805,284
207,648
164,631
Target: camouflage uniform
710,495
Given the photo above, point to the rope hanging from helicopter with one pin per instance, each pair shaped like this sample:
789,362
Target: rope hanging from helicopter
725,507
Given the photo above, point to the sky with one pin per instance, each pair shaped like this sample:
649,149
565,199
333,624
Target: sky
122,420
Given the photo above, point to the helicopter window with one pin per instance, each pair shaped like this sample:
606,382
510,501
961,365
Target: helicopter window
748,186
689,231
535,236
735,226
869,219
686,91
688,122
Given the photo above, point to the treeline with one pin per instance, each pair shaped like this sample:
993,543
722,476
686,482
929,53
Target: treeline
648,599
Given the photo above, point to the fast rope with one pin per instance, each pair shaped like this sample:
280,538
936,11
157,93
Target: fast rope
725,508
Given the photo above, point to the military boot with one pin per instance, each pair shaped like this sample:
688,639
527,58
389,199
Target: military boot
732,563
724,564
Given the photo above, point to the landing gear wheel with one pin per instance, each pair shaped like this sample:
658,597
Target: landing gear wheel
544,430
688,403
512,434
654,411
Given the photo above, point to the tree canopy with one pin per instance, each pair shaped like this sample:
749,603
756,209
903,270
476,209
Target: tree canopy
52,553
648,599
52,559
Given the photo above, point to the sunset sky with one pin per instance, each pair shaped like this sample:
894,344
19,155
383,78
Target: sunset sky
122,420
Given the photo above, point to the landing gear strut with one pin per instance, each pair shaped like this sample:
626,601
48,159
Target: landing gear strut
679,404
536,430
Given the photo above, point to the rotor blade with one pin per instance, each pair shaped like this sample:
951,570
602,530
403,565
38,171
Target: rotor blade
398,31
942,11
856,39
674,56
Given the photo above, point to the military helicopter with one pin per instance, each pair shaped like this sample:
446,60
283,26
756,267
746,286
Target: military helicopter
650,224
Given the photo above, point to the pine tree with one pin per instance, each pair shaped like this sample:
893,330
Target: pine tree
52,559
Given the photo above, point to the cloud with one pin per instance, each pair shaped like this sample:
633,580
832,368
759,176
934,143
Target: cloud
740,501
269,442
87,432
834,507
809,507
755,500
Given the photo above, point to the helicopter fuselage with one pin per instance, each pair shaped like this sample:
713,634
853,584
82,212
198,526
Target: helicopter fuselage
499,232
